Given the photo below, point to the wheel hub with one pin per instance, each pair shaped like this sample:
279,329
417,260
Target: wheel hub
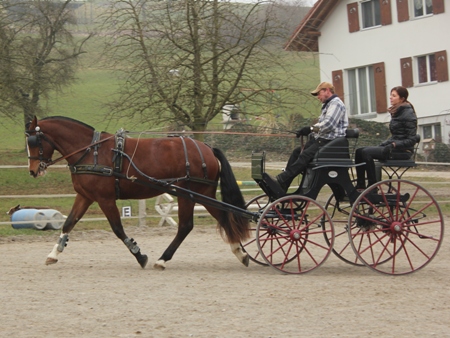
396,227
295,235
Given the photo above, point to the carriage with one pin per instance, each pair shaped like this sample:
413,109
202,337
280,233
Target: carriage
393,227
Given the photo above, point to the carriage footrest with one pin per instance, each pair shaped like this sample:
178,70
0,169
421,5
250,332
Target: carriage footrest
276,190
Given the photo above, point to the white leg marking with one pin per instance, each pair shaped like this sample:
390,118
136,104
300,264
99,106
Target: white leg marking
159,265
239,253
54,254
52,257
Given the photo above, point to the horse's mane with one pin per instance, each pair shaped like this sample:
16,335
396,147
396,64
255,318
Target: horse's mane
67,119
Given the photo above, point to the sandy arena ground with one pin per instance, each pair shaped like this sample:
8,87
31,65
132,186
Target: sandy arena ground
97,289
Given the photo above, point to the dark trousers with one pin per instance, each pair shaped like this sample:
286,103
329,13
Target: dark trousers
368,154
298,161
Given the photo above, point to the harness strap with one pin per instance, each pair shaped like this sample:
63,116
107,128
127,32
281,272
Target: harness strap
120,146
205,171
118,157
93,169
96,145
188,165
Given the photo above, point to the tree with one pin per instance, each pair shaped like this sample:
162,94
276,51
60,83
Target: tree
182,61
38,53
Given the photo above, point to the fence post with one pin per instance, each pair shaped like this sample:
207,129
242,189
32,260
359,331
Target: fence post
142,212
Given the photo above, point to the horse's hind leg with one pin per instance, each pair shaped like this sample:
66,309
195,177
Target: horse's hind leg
79,208
111,212
236,248
185,226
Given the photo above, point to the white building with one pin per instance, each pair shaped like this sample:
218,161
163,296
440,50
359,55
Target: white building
368,47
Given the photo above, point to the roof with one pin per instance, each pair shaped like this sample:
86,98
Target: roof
306,35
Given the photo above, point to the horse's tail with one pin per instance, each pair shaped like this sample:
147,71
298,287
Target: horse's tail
236,227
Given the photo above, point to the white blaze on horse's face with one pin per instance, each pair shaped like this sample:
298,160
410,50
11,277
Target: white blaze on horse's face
33,164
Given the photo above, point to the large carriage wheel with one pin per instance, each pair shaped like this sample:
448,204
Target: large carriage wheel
257,203
396,227
339,211
290,236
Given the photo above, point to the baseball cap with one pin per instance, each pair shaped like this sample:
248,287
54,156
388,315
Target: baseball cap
323,85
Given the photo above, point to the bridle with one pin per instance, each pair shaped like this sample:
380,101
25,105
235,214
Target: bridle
35,141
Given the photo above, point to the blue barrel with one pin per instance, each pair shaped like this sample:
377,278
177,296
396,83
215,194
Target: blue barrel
31,217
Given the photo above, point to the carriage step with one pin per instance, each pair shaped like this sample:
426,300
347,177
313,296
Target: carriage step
391,198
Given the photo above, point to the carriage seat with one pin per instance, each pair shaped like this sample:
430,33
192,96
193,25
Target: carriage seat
396,168
338,152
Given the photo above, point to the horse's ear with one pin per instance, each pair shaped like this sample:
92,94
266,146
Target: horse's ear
32,124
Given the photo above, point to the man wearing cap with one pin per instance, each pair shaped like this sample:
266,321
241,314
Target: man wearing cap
333,123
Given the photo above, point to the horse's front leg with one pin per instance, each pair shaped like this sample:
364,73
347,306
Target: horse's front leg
79,208
111,212
185,226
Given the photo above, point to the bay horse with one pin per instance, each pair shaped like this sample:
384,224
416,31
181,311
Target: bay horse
106,167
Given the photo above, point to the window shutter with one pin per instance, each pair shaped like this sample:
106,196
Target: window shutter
441,66
402,10
353,17
407,72
438,6
386,15
380,87
338,83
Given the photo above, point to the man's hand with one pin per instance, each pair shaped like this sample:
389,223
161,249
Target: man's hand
305,131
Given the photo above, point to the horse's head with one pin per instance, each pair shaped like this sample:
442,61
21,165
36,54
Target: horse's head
40,149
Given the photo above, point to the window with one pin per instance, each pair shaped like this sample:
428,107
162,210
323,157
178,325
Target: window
361,90
432,131
427,132
426,68
371,13
422,7
418,8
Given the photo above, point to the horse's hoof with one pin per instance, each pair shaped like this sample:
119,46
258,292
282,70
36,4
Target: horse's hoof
159,265
49,261
143,261
246,260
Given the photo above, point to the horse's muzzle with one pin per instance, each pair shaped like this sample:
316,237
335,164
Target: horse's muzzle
37,173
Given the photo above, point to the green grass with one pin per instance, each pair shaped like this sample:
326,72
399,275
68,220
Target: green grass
85,100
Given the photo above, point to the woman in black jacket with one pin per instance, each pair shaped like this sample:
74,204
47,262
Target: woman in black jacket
400,146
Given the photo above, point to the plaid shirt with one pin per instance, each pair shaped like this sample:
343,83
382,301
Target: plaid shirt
333,121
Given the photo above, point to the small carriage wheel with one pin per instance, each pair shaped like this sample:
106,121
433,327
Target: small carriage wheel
339,211
397,227
258,203
290,235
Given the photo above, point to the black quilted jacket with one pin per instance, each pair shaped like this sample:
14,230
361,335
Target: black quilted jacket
403,127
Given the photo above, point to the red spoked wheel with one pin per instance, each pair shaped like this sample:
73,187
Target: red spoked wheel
258,203
339,211
396,227
290,235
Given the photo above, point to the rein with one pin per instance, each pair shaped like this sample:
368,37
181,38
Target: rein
77,168
45,163
88,148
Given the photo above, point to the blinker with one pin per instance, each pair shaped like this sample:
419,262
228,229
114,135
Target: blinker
33,141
